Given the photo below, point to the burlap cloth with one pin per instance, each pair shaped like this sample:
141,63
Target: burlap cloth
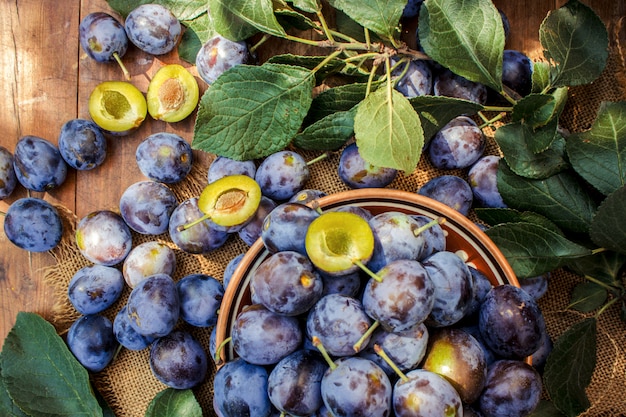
128,384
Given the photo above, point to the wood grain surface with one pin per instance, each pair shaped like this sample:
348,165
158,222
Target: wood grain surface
46,80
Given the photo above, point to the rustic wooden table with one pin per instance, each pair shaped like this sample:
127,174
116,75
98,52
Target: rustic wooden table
46,80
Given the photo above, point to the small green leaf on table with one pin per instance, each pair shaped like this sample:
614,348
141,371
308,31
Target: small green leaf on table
587,296
533,250
388,131
570,366
495,216
174,403
575,41
468,36
40,373
327,134
608,229
561,198
253,111
599,154
199,30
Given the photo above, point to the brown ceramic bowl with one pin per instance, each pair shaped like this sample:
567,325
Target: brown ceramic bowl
462,235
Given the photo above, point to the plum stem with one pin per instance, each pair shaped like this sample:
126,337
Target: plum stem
218,351
186,226
380,352
357,346
117,57
320,346
368,271
434,222
317,158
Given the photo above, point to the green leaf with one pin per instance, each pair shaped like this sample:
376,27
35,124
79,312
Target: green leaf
41,374
537,110
379,16
388,131
599,154
199,30
608,229
570,366
183,10
327,134
436,111
174,403
346,25
290,18
561,198
540,76
7,407
465,36
257,13
546,409
515,142
587,296
310,62
604,266
253,111
532,249
495,216
337,99
575,41
229,24
309,6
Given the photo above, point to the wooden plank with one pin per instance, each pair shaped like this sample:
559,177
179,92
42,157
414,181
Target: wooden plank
37,95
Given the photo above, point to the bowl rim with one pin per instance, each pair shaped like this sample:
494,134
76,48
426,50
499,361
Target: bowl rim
454,221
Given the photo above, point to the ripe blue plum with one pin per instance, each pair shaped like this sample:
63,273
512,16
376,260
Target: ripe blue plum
453,288
450,190
94,288
412,8
282,174
356,386
164,157
154,306
434,237
540,356
294,384
148,258
82,144
263,337
358,210
104,238
252,230
356,172
153,28
448,84
230,268
287,283
517,71
396,236
403,298
126,335
202,238
178,360
406,349
200,299
536,286
482,286
513,389
285,227
38,164
457,145
345,284
219,54
482,178
146,206
223,166
417,79
8,180
102,37
306,196
511,322
91,340
425,393
33,224
241,390
339,322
